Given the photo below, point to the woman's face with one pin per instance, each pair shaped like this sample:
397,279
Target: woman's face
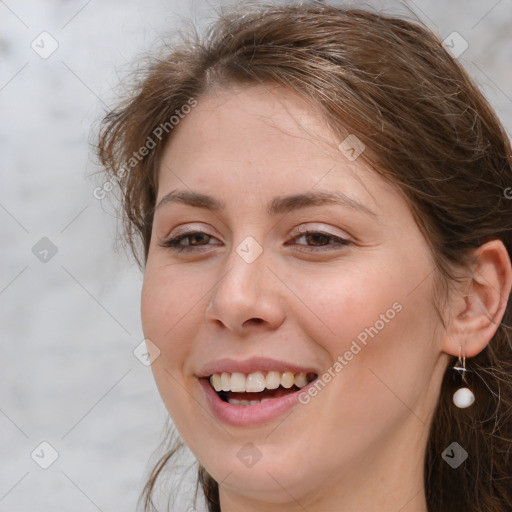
278,280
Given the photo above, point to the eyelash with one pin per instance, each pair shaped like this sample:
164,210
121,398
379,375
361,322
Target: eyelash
173,243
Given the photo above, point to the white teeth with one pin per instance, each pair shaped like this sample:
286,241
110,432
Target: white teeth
301,380
243,402
287,380
273,380
257,381
216,381
233,401
225,380
238,382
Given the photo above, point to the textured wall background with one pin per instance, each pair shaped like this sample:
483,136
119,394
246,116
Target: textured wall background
70,320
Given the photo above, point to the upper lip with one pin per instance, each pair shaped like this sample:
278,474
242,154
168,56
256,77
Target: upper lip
251,365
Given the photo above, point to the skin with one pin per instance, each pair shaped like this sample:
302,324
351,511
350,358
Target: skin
359,444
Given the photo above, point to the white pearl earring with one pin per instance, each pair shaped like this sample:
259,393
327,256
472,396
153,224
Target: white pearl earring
463,397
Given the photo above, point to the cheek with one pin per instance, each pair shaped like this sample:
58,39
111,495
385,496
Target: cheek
158,308
341,306
381,346
167,314
371,319
168,306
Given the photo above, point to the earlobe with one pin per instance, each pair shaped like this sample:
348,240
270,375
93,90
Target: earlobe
476,315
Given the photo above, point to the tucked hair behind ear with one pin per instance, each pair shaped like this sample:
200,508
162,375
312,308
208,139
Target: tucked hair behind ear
426,127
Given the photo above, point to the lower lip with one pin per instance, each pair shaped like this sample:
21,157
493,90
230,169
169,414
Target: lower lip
248,415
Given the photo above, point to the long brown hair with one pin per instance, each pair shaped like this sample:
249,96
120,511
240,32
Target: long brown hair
426,127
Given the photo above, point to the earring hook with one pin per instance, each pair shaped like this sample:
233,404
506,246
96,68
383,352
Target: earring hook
461,365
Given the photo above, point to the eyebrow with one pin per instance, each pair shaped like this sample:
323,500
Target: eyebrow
278,205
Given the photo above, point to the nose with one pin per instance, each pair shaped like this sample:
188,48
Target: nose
248,297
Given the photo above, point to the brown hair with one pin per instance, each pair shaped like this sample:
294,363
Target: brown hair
426,127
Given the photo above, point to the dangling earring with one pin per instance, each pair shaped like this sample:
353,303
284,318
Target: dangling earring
463,397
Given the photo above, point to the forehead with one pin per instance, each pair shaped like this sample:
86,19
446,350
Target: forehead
257,152
258,134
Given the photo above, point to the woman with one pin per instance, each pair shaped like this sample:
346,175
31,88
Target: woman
320,196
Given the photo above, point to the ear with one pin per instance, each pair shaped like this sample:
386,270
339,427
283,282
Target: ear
478,308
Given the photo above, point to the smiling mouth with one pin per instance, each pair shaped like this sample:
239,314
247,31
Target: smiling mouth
258,387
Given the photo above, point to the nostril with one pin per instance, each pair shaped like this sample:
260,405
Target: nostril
255,320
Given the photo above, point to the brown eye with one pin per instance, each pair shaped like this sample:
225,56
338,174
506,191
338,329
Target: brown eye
320,240
317,238
194,238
